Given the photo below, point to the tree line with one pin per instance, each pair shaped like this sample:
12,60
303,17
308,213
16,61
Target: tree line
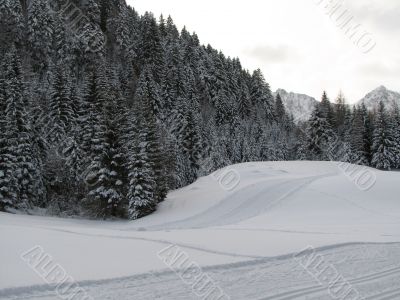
106,129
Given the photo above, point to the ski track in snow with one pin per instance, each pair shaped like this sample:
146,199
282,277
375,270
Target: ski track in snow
273,279
158,241
373,269
236,208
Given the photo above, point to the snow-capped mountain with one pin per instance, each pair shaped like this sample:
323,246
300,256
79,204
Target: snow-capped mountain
388,97
299,105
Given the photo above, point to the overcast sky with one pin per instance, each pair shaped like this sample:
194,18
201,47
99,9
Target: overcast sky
296,44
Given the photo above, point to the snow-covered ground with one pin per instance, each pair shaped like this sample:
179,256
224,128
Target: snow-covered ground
243,238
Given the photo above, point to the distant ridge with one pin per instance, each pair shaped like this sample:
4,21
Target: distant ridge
389,98
300,106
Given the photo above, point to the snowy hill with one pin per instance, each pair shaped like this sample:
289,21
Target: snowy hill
243,237
298,105
372,99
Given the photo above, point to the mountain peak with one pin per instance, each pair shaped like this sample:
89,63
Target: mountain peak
381,88
281,91
298,105
388,97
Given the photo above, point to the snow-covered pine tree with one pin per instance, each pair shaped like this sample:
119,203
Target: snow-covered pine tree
61,110
225,106
62,47
217,77
223,109
396,133
368,131
171,77
172,33
147,94
150,48
192,146
95,96
116,157
104,172
124,23
384,147
340,113
204,100
19,136
357,138
344,153
105,10
232,80
319,134
148,89
280,109
244,103
327,110
78,151
92,11
261,96
176,132
218,155
40,30
11,24
141,195
75,151
162,27
8,184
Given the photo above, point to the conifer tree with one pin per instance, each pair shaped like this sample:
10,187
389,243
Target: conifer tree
62,48
148,89
40,30
340,113
327,110
147,95
280,109
92,11
105,9
319,134
106,173
357,138
171,78
61,111
140,116
8,184
368,131
261,95
383,148
142,185
191,142
101,141
150,46
396,133
11,24
172,33
19,150
244,105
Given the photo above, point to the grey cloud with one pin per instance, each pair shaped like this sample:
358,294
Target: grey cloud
268,54
375,69
383,16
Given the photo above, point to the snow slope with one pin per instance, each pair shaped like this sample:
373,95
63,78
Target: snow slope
243,238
